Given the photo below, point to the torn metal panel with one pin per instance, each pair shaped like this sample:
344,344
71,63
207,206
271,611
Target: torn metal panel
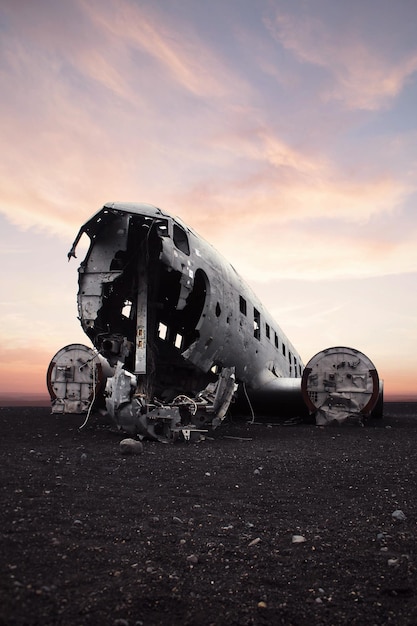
340,384
166,421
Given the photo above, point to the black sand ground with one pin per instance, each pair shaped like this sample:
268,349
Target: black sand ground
203,533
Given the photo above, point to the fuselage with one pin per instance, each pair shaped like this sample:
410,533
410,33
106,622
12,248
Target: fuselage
156,296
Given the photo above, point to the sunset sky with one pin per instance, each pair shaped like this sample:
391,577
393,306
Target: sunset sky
284,132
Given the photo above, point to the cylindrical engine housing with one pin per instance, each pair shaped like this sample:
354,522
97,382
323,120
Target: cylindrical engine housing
340,384
76,377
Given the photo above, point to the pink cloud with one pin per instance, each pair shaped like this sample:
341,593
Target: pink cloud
174,45
280,184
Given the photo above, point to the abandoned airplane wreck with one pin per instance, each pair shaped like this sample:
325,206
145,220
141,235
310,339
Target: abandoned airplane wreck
177,336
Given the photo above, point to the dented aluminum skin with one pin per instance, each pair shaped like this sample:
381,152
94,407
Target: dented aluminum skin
146,275
158,299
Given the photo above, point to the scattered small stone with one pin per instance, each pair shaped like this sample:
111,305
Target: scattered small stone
83,457
177,520
121,622
130,446
193,559
319,601
393,562
399,515
262,605
298,539
254,542
77,522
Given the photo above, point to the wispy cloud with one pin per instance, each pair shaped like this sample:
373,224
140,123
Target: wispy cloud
264,251
280,184
363,76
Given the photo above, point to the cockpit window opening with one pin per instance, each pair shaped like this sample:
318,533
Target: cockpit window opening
284,349
181,239
276,340
242,305
162,228
268,330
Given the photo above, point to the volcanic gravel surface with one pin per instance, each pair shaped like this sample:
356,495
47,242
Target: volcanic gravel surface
257,524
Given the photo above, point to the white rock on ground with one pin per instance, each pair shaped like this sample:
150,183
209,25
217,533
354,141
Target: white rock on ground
131,446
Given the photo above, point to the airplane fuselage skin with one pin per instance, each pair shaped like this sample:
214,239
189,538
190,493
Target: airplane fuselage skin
156,296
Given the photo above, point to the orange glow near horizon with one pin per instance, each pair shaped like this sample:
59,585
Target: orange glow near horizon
398,383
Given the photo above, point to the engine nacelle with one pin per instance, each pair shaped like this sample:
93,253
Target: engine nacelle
76,377
341,384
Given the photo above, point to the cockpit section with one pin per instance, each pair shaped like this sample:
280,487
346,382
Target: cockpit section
140,300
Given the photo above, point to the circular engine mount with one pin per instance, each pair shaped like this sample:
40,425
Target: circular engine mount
74,378
340,384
